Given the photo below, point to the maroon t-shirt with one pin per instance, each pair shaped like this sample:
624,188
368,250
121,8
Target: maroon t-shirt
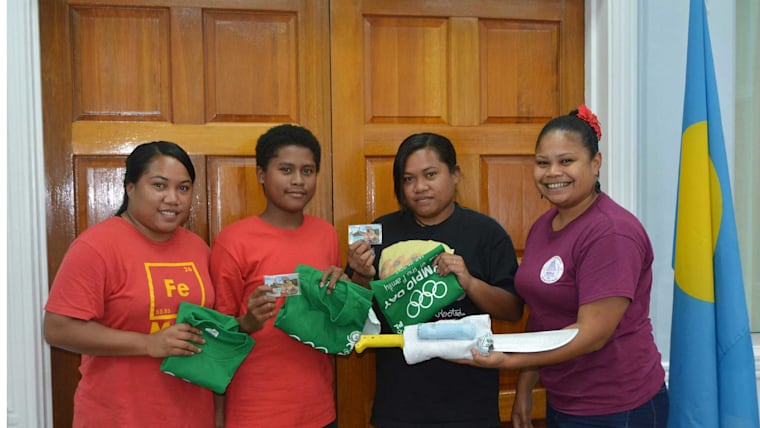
605,252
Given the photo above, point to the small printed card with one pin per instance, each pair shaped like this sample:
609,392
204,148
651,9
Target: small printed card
372,233
283,285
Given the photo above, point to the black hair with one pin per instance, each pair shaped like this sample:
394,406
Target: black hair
285,135
572,123
137,162
440,144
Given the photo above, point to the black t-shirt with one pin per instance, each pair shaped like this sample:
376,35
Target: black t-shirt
439,393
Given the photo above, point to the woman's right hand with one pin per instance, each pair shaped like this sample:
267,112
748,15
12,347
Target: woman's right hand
521,410
361,259
261,307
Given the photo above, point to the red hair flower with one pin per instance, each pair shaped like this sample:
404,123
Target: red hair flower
589,117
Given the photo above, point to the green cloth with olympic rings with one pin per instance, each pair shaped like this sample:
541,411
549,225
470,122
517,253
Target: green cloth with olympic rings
416,292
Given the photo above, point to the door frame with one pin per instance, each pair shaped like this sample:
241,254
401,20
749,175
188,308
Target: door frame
612,64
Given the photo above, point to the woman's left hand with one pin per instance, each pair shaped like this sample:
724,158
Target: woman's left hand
331,277
178,339
453,263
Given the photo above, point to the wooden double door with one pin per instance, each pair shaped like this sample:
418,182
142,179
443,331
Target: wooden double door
361,74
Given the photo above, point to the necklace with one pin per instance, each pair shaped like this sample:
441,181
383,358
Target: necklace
128,218
441,217
421,224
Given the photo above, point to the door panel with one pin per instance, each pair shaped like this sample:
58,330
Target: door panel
238,192
523,85
99,187
257,80
486,74
405,54
509,192
380,196
101,73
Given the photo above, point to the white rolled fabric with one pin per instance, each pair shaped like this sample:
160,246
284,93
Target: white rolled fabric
449,339
455,339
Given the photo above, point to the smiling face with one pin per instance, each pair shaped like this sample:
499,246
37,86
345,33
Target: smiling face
289,181
565,172
159,202
429,186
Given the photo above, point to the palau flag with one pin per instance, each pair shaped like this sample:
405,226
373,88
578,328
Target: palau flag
712,368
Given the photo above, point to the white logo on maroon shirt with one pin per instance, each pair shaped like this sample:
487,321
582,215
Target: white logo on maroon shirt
552,270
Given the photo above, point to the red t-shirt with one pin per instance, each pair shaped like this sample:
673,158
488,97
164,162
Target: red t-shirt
114,275
282,382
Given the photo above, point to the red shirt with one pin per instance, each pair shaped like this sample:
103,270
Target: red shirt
283,382
114,275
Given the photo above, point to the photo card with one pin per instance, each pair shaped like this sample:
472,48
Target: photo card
286,284
372,233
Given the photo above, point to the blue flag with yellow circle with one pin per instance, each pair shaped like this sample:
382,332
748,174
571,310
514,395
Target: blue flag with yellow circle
712,367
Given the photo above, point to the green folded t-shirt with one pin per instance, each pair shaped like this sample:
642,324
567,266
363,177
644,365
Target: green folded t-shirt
331,323
225,349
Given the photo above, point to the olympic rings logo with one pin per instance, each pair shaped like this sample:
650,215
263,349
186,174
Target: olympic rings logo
424,297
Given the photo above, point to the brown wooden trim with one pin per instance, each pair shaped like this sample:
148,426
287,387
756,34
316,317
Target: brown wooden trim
218,4
572,93
483,9
56,117
122,137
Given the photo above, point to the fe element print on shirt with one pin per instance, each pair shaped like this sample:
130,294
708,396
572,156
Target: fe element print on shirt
169,284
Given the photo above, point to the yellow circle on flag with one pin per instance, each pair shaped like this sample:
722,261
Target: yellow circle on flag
699,215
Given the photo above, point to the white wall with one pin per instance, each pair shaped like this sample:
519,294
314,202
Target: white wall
29,401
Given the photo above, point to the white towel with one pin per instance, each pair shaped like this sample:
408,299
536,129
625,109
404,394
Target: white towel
454,339
450,339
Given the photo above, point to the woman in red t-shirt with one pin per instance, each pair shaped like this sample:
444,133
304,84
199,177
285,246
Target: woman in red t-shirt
116,295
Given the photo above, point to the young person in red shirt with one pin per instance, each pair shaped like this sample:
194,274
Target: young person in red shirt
283,383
